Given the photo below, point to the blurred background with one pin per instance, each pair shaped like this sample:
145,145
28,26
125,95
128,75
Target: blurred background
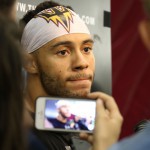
130,63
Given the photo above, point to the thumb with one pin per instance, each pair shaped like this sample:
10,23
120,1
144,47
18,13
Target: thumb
100,109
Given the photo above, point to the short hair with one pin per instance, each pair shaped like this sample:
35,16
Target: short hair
44,5
11,94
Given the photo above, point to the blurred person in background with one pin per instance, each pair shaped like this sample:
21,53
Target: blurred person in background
11,88
14,119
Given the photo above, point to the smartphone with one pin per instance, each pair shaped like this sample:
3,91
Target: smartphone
65,114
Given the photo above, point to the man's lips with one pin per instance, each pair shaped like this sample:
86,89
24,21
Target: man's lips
80,77
80,81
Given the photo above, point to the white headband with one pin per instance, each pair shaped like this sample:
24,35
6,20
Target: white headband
61,103
50,24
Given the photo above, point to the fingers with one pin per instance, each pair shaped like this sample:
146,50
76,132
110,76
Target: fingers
108,101
87,137
108,122
100,110
83,136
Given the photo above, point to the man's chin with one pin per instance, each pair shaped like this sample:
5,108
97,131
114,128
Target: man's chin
80,93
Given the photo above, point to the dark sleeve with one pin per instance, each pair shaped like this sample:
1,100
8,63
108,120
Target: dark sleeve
51,140
34,143
79,144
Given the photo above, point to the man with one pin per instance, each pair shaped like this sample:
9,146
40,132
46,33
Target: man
65,119
60,61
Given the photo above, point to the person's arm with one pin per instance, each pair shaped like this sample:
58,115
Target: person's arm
108,122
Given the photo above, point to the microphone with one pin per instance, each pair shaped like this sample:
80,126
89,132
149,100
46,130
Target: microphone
141,125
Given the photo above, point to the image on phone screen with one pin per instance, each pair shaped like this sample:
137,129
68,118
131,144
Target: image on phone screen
69,114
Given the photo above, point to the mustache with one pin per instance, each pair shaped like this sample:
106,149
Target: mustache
80,76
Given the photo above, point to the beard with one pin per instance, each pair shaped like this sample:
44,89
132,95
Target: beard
54,87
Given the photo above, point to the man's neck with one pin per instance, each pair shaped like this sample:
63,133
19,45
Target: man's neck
34,89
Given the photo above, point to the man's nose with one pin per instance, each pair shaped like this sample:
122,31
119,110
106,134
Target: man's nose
80,61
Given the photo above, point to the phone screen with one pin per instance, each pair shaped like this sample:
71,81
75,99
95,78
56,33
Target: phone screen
69,114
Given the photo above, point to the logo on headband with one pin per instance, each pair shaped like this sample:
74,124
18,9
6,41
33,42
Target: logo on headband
58,15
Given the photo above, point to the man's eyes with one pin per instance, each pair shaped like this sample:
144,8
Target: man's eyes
66,52
87,49
63,53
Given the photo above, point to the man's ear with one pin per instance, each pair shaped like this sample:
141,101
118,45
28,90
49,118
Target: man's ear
30,64
144,29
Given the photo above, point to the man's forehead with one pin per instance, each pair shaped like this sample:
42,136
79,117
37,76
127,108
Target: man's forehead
51,24
69,39
72,38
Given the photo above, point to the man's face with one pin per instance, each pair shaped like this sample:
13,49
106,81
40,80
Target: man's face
66,65
64,111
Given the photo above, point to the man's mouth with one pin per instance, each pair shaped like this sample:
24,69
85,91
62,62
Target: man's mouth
80,77
80,81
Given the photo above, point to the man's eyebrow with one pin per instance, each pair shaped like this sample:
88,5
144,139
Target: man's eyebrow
61,43
69,42
88,41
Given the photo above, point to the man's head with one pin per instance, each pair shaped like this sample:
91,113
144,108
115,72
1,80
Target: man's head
63,108
60,48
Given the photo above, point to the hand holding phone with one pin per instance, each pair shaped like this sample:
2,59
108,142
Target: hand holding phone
65,114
